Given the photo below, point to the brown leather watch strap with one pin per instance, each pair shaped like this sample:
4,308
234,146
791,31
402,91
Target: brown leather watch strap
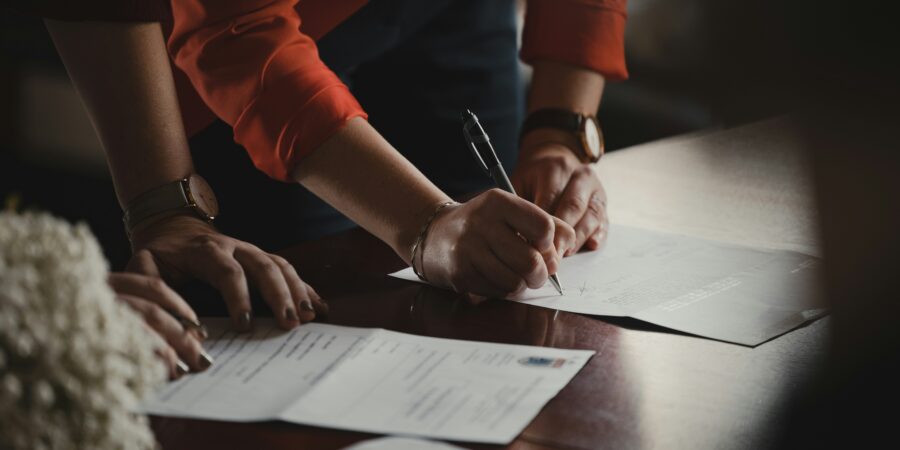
155,201
559,119
572,123
191,194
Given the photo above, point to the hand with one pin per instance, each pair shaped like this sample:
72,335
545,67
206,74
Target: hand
152,299
183,247
496,244
551,176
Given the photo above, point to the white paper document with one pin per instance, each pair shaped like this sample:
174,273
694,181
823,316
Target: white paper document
371,380
721,291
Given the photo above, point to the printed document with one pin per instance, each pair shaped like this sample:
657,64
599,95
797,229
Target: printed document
721,291
371,380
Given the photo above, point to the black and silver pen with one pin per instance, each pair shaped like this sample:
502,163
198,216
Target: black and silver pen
484,153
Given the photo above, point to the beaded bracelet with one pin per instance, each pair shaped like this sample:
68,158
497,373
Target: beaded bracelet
423,233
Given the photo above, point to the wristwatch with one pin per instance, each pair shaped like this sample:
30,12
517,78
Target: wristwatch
191,194
584,127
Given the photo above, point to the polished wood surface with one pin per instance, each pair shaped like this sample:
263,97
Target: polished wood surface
646,387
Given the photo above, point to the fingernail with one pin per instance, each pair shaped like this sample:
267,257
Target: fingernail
205,360
290,314
203,332
181,367
306,305
245,319
324,305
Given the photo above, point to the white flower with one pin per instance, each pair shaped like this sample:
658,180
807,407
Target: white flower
74,362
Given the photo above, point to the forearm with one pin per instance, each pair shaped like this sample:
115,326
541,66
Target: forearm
557,85
364,177
122,72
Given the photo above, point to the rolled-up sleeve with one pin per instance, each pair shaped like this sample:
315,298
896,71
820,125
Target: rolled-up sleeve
253,67
585,33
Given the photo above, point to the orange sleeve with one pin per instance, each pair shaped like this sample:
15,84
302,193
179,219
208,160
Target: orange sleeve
585,33
253,67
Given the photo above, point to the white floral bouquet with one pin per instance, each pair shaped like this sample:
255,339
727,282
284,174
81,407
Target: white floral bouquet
74,362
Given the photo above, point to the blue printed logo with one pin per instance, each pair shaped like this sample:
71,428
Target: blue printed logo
539,361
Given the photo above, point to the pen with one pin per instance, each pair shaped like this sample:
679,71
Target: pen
483,151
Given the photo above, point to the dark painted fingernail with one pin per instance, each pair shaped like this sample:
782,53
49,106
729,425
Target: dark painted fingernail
324,305
205,360
181,367
306,305
245,319
290,314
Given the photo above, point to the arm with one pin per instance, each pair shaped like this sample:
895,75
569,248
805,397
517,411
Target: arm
122,72
472,247
548,172
130,98
575,46
255,68
93,54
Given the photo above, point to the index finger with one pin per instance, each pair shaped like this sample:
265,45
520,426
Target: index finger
530,221
269,280
217,266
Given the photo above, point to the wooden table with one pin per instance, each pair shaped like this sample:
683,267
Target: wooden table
646,387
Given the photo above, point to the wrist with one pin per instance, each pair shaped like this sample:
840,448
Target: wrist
417,258
191,195
548,142
177,222
585,139
406,239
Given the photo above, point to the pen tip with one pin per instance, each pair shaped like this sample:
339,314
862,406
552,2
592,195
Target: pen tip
554,280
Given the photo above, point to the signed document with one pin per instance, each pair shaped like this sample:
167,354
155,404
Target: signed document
371,380
722,291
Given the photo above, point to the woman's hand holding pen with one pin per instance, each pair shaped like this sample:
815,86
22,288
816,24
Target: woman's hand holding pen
161,308
550,175
184,247
494,245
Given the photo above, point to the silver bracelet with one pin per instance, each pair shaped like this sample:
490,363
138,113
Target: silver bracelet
423,232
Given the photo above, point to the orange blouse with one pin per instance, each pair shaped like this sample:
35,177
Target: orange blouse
255,65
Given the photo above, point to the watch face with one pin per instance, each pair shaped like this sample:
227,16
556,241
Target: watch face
203,196
593,140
